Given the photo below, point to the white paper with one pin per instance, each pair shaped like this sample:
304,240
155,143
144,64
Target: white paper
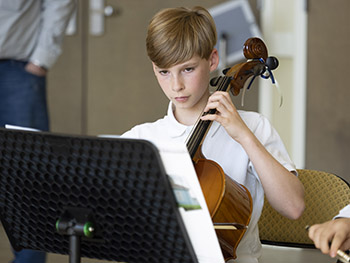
14,127
178,165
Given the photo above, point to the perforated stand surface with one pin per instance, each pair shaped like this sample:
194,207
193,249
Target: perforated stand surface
121,181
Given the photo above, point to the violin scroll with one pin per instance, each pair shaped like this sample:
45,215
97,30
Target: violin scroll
257,64
255,48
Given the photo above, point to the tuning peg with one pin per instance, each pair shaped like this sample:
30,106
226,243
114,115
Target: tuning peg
225,70
214,81
258,69
272,63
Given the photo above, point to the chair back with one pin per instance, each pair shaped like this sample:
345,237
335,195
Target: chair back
325,195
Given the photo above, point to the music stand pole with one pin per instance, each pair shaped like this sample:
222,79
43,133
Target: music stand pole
75,222
74,249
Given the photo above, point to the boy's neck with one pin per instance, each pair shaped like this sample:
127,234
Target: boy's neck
189,116
185,118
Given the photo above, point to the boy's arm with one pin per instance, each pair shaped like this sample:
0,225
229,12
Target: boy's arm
283,189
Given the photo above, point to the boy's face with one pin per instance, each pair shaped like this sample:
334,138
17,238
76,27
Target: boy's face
187,84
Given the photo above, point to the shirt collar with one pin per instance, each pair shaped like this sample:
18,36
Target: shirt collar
176,129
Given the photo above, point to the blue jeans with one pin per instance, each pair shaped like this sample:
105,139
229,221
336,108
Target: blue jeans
22,97
23,103
29,256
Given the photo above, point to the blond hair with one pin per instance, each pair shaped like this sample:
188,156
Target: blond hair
175,35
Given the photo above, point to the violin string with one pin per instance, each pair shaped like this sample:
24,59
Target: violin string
191,140
201,126
221,87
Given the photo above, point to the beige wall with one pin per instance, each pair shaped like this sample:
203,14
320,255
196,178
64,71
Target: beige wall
284,28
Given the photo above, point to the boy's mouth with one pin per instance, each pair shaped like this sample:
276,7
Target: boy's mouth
182,98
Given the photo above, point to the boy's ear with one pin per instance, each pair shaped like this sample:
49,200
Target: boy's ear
154,67
214,60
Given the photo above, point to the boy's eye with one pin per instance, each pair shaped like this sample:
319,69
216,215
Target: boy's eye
163,72
189,69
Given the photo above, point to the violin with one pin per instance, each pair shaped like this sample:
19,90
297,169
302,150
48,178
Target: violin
230,203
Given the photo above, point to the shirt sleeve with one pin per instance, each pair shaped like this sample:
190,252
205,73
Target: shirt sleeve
132,133
273,143
55,16
345,212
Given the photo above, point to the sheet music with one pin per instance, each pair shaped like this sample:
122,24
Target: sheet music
192,205
14,127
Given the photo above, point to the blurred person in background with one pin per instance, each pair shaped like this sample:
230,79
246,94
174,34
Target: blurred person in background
31,35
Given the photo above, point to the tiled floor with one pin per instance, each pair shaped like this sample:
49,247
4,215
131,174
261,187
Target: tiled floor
270,255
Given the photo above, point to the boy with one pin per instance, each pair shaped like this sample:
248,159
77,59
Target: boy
180,43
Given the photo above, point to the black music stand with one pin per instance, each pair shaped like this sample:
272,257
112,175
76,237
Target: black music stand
100,198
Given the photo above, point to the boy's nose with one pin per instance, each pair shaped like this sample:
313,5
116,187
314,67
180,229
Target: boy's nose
177,84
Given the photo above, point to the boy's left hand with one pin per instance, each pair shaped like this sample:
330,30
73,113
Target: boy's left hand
226,114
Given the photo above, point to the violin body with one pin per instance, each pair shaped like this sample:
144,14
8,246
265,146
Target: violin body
227,202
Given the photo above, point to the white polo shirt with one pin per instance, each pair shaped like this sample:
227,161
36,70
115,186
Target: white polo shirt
221,148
